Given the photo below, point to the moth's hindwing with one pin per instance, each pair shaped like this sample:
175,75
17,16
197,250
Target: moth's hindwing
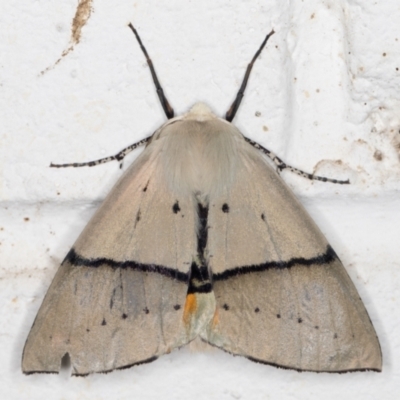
119,297
283,297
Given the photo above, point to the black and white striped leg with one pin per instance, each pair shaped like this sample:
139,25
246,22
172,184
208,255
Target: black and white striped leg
118,157
281,165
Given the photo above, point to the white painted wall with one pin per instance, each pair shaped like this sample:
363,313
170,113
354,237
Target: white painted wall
327,88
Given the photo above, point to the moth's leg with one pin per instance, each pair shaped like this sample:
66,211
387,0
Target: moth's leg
230,114
118,157
281,165
169,111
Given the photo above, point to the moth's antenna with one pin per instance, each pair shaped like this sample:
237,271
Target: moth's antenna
230,114
169,111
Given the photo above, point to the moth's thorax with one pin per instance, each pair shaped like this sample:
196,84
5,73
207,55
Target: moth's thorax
199,153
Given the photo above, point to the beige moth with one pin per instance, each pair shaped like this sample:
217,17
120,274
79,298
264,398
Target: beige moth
201,239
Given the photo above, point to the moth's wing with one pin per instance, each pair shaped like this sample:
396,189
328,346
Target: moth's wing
283,297
118,297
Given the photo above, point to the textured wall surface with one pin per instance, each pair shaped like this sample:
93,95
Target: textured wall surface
324,95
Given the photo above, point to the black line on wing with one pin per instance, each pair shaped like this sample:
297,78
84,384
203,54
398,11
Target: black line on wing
39,372
148,360
257,360
79,261
321,259
339,371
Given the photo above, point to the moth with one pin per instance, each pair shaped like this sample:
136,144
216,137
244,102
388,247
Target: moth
201,238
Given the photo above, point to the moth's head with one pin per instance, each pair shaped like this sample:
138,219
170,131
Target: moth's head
200,112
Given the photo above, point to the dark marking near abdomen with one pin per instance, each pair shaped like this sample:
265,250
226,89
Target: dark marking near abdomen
202,235
200,281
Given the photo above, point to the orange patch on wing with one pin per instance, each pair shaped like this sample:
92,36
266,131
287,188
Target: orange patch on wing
190,307
215,320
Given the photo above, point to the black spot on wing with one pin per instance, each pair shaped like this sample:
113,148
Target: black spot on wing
104,322
112,298
278,315
299,320
146,310
138,217
177,307
124,316
225,208
263,217
256,310
176,208
225,307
